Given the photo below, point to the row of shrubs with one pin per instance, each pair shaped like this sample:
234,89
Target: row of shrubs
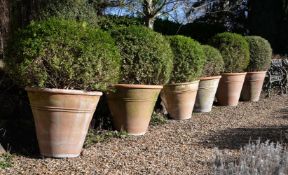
66,54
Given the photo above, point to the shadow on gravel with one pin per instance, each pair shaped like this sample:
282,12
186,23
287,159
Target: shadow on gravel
238,137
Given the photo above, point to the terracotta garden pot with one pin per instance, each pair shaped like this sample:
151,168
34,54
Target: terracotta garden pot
179,99
62,119
229,88
206,93
252,87
132,106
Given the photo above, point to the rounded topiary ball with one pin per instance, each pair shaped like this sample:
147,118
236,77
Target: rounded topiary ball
188,61
146,55
214,63
63,54
260,53
234,49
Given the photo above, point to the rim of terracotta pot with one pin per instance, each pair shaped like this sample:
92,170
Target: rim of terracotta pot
186,83
257,72
137,86
234,74
64,91
211,78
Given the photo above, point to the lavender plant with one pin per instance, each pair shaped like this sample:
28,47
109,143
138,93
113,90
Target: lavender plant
255,159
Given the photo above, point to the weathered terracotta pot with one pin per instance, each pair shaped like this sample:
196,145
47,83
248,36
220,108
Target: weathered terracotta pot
132,106
62,119
252,87
229,88
206,93
179,99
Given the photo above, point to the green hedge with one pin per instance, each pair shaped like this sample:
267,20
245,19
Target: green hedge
146,55
234,49
260,53
188,59
64,54
214,64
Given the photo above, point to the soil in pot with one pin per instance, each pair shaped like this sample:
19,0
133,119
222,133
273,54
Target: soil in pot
252,87
206,94
229,89
179,99
62,119
132,106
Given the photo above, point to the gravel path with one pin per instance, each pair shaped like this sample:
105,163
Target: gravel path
178,147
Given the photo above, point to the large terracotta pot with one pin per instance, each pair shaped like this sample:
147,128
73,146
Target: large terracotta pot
229,88
132,106
179,99
206,93
252,87
62,119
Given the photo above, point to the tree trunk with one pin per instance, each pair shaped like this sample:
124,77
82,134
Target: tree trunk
149,22
4,25
149,17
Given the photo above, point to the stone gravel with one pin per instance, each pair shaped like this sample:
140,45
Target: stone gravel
178,147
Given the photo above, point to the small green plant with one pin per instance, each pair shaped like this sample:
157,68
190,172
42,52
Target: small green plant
6,161
146,55
63,54
158,119
260,53
214,63
188,59
234,49
95,136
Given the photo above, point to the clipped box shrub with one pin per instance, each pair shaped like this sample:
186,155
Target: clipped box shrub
146,55
63,54
188,59
234,49
214,63
260,53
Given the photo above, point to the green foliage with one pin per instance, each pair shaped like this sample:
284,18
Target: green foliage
63,54
112,22
95,136
214,64
260,53
81,10
146,55
5,161
234,50
158,119
188,61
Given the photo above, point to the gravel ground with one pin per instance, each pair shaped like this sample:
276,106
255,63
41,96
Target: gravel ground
178,147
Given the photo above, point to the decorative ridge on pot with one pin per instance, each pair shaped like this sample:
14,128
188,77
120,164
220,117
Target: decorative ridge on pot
257,72
233,74
64,91
181,87
210,78
137,86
